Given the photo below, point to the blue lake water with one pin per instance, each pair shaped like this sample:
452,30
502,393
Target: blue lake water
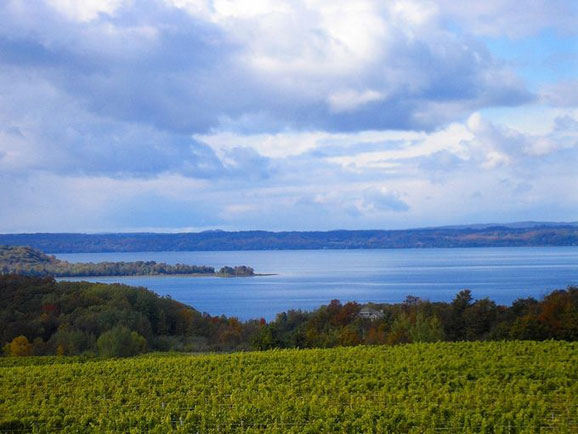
306,279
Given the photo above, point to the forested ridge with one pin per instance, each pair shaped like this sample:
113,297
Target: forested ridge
484,236
40,316
32,262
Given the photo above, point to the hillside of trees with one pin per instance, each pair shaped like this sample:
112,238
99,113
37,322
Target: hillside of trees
539,234
40,316
32,262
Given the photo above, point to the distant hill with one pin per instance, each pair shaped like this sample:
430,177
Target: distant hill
515,225
508,235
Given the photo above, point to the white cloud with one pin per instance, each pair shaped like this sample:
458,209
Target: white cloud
357,57
293,143
507,18
350,100
318,114
86,10
562,94
450,139
223,10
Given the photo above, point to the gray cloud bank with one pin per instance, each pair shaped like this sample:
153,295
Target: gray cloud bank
131,84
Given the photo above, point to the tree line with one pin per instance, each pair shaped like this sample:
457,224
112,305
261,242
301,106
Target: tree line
40,316
31,262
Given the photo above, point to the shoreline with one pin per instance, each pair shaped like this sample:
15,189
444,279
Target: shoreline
164,275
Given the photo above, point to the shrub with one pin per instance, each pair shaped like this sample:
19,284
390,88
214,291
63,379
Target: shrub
120,342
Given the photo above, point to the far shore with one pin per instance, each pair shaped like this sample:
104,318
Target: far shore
168,275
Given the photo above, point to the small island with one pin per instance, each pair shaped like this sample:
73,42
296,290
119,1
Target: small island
32,262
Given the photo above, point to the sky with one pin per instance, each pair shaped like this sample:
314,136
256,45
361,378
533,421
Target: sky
189,115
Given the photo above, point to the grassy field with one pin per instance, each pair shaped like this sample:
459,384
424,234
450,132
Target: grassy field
502,387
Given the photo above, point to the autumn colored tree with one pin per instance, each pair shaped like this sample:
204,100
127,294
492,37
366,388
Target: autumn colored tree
376,335
18,347
347,313
559,314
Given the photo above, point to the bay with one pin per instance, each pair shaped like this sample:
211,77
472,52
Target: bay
306,279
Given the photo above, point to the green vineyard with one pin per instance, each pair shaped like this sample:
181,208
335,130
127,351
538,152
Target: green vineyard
493,387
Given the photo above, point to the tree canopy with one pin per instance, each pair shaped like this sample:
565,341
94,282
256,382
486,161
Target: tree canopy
42,316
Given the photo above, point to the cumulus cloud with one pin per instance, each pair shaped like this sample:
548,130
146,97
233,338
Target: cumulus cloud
497,144
189,67
477,144
300,114
118,87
